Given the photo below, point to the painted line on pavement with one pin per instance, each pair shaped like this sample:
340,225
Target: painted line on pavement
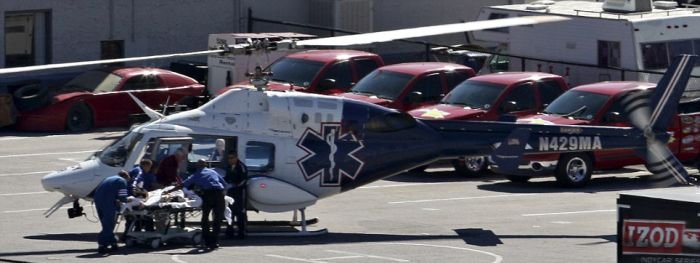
460,198
294,259
177,259
367,255
572,212
40,154
28,173
497,257
27,193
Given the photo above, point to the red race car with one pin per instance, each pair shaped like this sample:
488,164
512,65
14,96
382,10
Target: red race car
99,98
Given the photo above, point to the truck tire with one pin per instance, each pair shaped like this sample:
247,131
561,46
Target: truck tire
574,170
31,96
470,166
517,178
79,118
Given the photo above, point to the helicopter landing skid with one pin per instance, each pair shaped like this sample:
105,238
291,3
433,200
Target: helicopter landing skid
285,228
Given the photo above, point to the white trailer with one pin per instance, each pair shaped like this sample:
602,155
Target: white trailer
225,70
612,40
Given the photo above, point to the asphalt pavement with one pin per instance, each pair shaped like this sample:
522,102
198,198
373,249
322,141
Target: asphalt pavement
434,216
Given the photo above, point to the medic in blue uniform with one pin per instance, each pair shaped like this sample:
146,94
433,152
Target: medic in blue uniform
108,194
212,186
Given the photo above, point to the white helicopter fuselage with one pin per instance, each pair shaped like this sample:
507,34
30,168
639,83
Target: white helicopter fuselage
245,114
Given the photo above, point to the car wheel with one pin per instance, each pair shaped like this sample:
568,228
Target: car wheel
32,96
470,166
197,239
517,178
574,170
155,243
79,118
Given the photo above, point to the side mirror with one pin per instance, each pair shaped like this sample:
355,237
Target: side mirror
509,106
326,84
613,117
415,97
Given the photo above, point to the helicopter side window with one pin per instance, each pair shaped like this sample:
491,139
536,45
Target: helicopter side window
260,156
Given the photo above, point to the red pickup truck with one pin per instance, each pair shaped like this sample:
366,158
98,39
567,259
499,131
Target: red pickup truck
489,97
599,104
407,86
321,71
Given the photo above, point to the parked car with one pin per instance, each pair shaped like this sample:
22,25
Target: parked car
407,86
329,71
599,104
98,98
490,97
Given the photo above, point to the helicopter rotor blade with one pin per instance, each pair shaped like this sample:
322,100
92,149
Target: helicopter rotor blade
385,36
104,61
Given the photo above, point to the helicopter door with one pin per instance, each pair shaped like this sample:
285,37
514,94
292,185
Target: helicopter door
160,148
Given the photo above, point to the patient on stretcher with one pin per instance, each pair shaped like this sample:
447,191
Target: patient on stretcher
183,198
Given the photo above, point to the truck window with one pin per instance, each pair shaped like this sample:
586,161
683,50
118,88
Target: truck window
549,90
454,78
365,66
475,94
577,104
429,86
341,73
296,71
383,84
616,107
523,95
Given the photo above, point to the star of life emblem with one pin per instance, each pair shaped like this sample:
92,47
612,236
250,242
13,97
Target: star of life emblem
330,155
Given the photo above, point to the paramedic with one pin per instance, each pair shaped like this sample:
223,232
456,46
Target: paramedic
168,169
108,194
236,176
212,187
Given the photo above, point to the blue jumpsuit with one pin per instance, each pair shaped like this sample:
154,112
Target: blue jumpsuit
107,193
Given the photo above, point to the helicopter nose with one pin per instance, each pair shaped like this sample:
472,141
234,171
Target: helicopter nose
52,182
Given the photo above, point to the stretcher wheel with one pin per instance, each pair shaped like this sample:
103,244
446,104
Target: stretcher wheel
197,239
155,243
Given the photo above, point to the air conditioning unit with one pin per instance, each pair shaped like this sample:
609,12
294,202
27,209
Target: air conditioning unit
627,6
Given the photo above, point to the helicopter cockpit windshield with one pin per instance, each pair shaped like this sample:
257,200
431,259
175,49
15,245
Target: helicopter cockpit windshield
116,153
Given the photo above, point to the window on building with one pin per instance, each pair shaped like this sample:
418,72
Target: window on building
260,156
676,48
27,37
655,55
608,53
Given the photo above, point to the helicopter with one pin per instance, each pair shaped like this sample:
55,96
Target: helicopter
302,147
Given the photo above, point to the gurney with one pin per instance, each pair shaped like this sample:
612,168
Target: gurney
168,212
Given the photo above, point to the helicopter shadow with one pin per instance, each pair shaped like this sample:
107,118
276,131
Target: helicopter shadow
605,181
